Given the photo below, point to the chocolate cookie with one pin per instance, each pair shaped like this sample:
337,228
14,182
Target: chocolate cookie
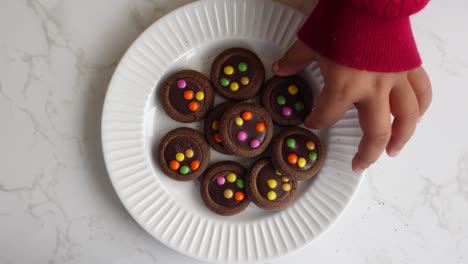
183,154
211,126
246,129
237,74
187,96
297,152
268,188
222,188
287,99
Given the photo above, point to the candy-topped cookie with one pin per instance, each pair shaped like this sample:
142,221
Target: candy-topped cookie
237,74
223,188
211,126
187,96
246,129
287,99
183,154
268,188
297,152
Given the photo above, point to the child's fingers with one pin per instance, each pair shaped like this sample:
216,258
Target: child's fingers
422,88
374,117
405,109
296,59
331,105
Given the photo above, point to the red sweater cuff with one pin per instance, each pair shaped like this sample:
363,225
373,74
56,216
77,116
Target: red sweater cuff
349,36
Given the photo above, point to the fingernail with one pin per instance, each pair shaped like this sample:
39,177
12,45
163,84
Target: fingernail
394,153
275,67
358,170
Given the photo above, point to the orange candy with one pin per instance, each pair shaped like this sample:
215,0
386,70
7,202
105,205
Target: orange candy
188,95
247,115
292,158
193,106
239,196
217,138
260,127
174,165
194,165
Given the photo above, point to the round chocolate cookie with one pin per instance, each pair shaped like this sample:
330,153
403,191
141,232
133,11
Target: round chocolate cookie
237,74
211,126
187,96
183,154
268,188
287,99
222,188
297,152
246,129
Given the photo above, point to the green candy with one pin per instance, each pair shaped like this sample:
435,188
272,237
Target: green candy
281,100
240,183
224,82
291,142
299,106
313,155
242,66
184,170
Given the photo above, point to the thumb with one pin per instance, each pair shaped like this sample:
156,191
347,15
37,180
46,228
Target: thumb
298,56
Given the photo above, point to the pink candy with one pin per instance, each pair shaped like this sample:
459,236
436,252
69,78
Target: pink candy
181,83
255,143
241,135
220,180
287,111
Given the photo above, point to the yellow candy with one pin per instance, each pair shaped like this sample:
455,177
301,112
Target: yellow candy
189,153
286,187
271,195
310,145
234,86
285,179
278,172
231,177
228,193
215,125
200,95
292,89
245,80
239,121
271,183
229,70
301,162
180,157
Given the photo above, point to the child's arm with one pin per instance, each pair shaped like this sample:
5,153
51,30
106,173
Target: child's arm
368,58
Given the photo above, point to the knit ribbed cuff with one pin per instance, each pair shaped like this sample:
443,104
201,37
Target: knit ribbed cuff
348,36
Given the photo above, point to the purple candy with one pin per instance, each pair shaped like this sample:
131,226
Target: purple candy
241,135
181,83
255,143
287,111
220,180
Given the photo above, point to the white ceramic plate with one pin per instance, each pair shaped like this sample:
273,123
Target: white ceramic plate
133,122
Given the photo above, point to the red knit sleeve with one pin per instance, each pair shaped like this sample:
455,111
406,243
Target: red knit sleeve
373,35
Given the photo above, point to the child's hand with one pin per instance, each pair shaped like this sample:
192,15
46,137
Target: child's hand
377,96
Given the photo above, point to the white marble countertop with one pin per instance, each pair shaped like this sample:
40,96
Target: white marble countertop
56,201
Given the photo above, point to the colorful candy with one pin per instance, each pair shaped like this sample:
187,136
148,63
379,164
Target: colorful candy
292,158
240,183
313,155
194,165
228,70
239,196
278,172
234,86
220,180
200,96
245,80
292,89
291,142
310,145
181,83
215,125
284,179
193,106
184,170
299,106
188,94
217,138
242,135
242,66
260,127
272,183
286,187
271,195
174,165
228,193
224,82
231,177
247,115
189,153
287,111
239,121
255,143
180,156
281,100
301,162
